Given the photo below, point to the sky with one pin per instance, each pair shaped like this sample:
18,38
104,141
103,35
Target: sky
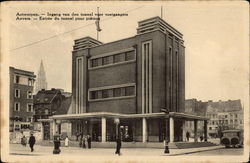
215,37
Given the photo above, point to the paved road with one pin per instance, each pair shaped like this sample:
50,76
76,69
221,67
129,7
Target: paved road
223,151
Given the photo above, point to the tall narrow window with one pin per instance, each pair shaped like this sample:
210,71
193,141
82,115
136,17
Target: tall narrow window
17,93
17,79
17,106
29,95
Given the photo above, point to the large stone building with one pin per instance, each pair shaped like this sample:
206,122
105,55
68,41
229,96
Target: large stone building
21,99
121,88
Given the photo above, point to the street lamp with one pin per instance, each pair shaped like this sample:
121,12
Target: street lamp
166,111
117,121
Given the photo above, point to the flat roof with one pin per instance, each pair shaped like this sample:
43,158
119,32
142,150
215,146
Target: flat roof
119,115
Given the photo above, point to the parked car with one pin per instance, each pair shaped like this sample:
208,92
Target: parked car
232,138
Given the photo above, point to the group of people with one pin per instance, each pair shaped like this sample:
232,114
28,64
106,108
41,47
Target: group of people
32,141
188,135
82,141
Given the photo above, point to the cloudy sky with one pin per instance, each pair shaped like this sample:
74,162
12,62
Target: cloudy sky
215,35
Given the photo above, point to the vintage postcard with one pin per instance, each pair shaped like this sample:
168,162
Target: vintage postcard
125,81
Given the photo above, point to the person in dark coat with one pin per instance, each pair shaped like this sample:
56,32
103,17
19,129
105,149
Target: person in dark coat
32,141
89,141
187,135
118,146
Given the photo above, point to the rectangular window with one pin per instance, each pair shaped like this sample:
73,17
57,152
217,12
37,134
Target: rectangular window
17,93
105,93
94,63
129,91
17,106
130,55
17,118
17,79
29,107
30,82
119,57
29,95
94,95
117,92
236,116
107,60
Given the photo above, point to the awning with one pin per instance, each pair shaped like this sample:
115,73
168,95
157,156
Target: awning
119,115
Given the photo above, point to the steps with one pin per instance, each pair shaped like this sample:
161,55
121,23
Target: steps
159,145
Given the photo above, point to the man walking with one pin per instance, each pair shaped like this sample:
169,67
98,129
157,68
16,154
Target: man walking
89,141
32,142
187,135
118,146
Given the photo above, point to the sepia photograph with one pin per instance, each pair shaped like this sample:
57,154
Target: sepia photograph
125,81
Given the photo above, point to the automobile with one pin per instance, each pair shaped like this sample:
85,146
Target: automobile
232,138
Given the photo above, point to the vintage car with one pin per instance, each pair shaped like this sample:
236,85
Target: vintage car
232,138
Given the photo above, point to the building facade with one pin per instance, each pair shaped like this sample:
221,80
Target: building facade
41,79
48,103
120,88
21,99
224,115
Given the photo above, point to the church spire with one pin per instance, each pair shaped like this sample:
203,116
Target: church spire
41,78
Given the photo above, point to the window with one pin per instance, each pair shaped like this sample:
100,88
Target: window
117,92
213,122
235,121
29,119
236,116
225,116
241,122
107,60
17,106
94,95
94,62
17,93
30,82
119,58
29,95
129,91
210,128
105,94
29,107
130,55
17,79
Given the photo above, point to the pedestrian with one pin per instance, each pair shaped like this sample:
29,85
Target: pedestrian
83,142
66,141
89,141
201,138
80,142
118,146
32,141
187,135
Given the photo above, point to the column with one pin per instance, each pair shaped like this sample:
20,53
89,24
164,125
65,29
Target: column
184,130
195,131
144,130
42,131
171,129
205,130
103,129
54,127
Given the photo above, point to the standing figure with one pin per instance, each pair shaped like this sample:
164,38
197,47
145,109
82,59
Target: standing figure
118,146
201,138
187,135
24,141
83,142
80,142
66,141
89,141
32,141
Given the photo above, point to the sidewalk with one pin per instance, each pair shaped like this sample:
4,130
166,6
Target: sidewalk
17,149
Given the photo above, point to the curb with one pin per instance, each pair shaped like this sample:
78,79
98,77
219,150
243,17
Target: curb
193,151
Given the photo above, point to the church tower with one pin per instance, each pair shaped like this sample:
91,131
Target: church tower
41,79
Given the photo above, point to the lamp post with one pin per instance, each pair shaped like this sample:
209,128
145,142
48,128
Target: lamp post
117,121
166,150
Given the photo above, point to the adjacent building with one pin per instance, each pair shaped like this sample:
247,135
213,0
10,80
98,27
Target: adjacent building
223,115
21,99
121,88
41,82
48,103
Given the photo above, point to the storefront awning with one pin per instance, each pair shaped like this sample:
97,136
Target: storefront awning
119,115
